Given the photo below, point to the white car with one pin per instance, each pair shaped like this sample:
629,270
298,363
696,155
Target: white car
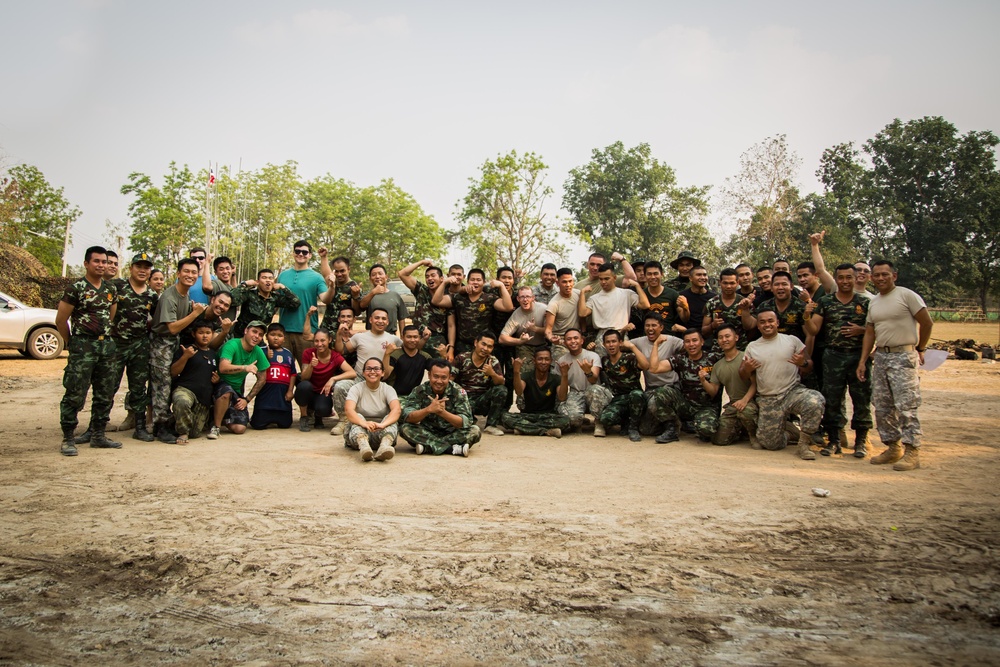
31,330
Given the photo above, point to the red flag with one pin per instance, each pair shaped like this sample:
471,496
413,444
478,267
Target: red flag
211,177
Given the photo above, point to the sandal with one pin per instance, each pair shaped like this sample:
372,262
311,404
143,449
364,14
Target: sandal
181,440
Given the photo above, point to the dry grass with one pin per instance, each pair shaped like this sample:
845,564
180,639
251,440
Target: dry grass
979,332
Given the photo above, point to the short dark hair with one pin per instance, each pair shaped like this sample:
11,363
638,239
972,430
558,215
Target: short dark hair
741,265
781,274
597,254
201,324
433,268
263,271
479,271
411,327
540,349
767,310
303,242
806,265
375,310
94,250
197,249
764,268
322,330
726,325
456,266
640,264
780,259
653,315
693,330
883,262
566,333
486,333
548,265
184,261
275,326
111,253
437,362
564,272
844,267
154,272
340,258
375,266
220,292
607,266
220,260
612,332
726,272
505,268
346,306
380,364
653,264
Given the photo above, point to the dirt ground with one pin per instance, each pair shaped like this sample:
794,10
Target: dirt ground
284,549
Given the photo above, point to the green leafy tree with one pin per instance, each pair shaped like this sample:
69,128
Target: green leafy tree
626,200
34,215
503,219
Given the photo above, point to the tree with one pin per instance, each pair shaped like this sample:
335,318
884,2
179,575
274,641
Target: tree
34,215
926,197
628,201
503,219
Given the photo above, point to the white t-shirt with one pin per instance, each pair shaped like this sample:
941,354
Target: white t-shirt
373,405
369,345
519,318
577,380
565,311
777,374
611,309
892,314
668,348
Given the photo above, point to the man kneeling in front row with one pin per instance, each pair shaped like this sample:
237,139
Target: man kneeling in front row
437,418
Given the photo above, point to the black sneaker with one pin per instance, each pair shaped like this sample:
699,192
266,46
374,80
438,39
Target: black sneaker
304,424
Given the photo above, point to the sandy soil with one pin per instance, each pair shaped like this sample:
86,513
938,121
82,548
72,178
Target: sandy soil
285,549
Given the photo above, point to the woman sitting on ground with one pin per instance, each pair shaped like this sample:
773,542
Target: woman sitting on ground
373,410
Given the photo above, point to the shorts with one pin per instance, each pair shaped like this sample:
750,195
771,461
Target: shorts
233,415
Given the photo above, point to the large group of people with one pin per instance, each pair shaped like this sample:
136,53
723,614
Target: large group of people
630,348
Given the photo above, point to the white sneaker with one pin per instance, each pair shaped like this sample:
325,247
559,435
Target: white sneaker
493,430
213,433
463,450
338,429
419,449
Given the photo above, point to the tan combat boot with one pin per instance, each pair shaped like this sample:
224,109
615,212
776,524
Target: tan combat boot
805,451
910,460
361,440
385,449
890,455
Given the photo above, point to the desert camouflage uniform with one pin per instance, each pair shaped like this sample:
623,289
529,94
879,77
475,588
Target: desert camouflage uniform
374,437
427,316
434,432
790,323
594,399
689,401
732,315
253,306
840,363
131,334
896,396
628,401
773,412
91,355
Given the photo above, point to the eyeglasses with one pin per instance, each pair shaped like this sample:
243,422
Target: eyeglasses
299,251
373,369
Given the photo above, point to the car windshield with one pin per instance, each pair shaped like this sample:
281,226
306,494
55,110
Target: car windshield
399,287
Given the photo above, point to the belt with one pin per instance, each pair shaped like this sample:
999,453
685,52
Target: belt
897,348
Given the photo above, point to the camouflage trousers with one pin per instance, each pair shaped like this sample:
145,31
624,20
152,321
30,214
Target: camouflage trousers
436,441
625,409
896,396
132,360
773,411
374,437
534,423
669,404
190,415
578,403
490,403
840,376
91,363
161,355
733,423
339,396
648,423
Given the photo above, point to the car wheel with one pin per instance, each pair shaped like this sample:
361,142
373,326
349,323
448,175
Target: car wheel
45,343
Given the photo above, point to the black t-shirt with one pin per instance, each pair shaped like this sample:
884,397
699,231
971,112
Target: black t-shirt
696,302
407,372
539,399
197,374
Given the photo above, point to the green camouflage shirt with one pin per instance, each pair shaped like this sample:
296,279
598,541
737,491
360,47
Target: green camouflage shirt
471,377
457,404
134,311
91,307
732,315
690,384
790,321
341,299
253,306
426,315
621,376
472,317
836,314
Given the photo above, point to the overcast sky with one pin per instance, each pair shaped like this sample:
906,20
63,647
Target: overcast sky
424,92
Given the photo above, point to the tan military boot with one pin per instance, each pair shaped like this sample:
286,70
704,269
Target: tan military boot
805,451
385,449
890,455
910,460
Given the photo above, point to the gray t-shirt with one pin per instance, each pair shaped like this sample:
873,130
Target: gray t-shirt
577,380
776,374
892,315
372,404
369,345
392,303
519,318
668,348
171,306
565,312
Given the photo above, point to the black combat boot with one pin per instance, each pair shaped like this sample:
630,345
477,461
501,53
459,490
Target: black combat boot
100,440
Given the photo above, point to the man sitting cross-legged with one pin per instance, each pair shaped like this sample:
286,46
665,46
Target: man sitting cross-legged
436,416
478,372
540,389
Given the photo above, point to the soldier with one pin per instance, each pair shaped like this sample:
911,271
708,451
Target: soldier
343,291
778,360
864,273
741,411
260,299
473,310
791,312
406,364
382,298
373,410
84,321
111,267
594,264
840,318
546,287
525,329
683,264
579,391
696,297
479,373
656,345
621,372
174,313
728,308
221,282
744,276
436,417
893,316
610,306
764,283
436,324
539,388
664,301
690,401
561,313
136,305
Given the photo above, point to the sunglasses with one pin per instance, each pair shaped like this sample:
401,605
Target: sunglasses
200,258
301,252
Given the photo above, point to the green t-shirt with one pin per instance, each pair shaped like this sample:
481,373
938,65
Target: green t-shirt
727,373
233,350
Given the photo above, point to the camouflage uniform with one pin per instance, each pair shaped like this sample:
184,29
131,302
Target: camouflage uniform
91,355
896,396
628,401
131,335
253,306
840,363
790,323
538,407
773,412
689,401
342,298
471,318
485,398
191,415
733,422
434,432
427,316
731,314
374,437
